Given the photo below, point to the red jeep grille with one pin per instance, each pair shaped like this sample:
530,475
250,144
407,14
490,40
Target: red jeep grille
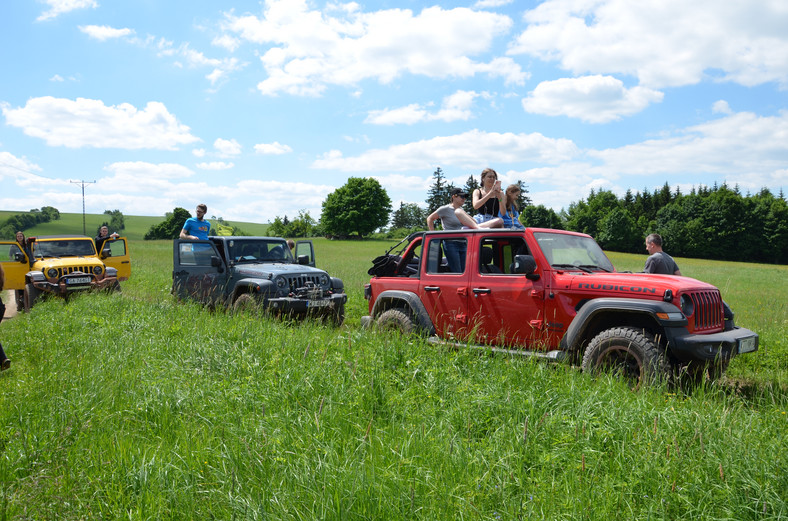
71,269
708,309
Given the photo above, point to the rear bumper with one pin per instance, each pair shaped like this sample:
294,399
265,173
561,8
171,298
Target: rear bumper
715,346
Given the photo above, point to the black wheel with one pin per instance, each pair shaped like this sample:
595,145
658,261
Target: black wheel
629,353
31,296
115,288
245,302
20,300
396,320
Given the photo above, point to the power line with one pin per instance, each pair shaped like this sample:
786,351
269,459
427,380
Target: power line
83,183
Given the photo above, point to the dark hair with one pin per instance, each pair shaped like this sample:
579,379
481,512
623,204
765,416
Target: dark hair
202,207
654,238
511,200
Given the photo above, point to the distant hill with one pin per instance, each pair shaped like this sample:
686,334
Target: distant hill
136,225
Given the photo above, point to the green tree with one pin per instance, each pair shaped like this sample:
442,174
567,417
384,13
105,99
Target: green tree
360,206
470,186
617,231
116,222
541,217
170,227
407,216
438,194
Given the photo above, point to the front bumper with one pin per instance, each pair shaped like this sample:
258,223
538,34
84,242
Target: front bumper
302,306
711,347
64,287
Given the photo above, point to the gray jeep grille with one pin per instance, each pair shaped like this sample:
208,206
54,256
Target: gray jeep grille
299,281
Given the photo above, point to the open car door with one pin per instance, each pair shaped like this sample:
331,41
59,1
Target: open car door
305,249
115,254
15,264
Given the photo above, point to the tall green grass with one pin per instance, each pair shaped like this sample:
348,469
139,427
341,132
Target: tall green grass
134,406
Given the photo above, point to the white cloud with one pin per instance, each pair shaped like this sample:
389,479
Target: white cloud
89,123
275,148
198,152
721,107
472,149
20,169
104,32
456,107
57,78
58,7
595,99
226,42
312,49
661,42
215,165
227,147
142,177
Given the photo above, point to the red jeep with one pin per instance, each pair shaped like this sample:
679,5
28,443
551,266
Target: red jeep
555,294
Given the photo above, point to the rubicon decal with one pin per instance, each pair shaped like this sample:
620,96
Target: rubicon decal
616,287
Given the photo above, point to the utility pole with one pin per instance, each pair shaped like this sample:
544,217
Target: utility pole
83,183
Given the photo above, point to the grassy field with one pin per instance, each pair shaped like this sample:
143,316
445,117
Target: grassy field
134,406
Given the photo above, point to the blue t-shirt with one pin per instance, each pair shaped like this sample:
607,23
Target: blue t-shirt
198,228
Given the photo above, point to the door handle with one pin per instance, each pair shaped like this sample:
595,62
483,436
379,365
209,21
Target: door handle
432,288
481,290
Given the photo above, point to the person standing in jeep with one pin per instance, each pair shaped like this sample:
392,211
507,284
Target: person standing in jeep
197,227
659,261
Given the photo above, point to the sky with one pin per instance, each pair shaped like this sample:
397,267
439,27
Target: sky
261,109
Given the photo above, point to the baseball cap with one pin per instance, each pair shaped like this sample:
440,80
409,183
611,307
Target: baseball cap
459,191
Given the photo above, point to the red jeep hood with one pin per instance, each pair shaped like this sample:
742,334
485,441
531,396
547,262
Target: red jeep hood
630,284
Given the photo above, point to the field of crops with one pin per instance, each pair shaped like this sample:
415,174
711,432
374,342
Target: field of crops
135,406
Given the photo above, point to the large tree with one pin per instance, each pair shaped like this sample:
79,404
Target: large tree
360,206
170,227
438,194
408,215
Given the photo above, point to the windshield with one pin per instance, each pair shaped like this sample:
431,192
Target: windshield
64,248
565,251
259,250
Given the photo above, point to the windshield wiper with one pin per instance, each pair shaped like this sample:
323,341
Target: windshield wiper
572,267
594,266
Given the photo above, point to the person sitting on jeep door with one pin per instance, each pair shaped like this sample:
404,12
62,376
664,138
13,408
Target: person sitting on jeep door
659,261
197,228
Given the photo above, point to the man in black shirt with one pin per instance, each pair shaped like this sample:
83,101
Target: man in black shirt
659,261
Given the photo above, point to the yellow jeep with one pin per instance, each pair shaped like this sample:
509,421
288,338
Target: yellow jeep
62,265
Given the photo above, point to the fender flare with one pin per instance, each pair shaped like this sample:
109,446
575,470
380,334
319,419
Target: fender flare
259,287
337,285
593,309
396,298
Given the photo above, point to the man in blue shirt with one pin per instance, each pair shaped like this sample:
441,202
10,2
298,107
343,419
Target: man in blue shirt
197,227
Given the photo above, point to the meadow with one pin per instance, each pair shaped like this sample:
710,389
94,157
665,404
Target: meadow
134,406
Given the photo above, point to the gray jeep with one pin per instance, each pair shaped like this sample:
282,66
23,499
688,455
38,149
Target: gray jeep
256,272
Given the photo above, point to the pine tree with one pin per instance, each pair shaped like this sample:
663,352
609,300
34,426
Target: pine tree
438,194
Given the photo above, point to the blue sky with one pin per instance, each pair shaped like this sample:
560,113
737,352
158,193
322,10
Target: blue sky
261,109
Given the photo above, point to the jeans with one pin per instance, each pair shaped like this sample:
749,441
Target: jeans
455,251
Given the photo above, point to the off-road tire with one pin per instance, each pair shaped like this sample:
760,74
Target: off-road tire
631,353
31,296
19,295
396,319
245,302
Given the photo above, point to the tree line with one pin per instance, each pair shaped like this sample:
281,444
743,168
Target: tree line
22,221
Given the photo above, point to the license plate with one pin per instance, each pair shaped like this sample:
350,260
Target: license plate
78,280
747,345
318,303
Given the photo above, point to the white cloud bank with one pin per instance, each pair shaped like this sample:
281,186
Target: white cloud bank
58,7
105,32
662,43
594,99
275,148
310,49
456,107
87,123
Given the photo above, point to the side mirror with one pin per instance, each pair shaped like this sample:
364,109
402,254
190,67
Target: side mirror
20,257
526,264
216,262
303,259
106,252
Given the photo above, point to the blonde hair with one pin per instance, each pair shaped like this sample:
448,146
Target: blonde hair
511,199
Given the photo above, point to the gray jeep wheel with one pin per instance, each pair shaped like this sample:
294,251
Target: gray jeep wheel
31,296
628,352
395,319
245,302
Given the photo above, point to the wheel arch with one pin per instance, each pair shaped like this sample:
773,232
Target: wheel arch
404,299
597,315
259,287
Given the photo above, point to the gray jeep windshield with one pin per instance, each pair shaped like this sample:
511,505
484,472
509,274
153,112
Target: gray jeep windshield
572,251
259,250
64,248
